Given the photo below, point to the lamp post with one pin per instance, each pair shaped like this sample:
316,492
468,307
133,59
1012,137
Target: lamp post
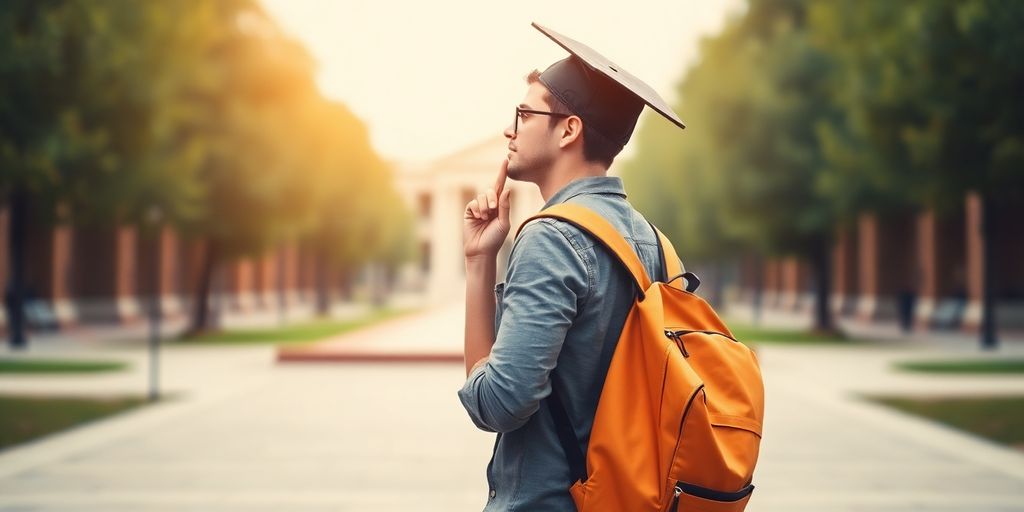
155,217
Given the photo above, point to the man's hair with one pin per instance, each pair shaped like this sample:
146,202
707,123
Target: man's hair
596,147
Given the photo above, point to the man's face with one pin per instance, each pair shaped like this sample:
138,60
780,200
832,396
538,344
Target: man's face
535,146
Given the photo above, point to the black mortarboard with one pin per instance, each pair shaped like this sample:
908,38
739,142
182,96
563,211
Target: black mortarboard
604,95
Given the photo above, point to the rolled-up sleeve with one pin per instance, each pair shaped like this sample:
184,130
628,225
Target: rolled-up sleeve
548,280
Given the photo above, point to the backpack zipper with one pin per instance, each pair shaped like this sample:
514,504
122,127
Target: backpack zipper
670,333
676,492
708,494
679,437
677,336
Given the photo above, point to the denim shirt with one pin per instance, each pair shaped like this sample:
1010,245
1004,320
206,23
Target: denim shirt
564,298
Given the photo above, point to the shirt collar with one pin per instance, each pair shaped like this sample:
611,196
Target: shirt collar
588,185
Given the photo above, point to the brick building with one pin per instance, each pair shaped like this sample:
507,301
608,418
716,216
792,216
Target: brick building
84,275
934,258
91,275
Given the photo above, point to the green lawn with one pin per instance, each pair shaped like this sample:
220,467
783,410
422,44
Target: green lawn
57,366
27,418
752,334
1000,419
298,333
1004,366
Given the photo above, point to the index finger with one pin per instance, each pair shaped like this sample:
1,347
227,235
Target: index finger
499,185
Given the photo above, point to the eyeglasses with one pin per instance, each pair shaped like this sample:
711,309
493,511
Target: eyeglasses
519,111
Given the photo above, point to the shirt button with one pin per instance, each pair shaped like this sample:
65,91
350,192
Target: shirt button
493,494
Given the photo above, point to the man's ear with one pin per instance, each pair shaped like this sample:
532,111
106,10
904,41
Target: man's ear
573,131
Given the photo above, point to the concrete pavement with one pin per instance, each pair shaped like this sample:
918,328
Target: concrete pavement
246,433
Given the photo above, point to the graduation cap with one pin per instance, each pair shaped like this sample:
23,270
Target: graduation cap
608,98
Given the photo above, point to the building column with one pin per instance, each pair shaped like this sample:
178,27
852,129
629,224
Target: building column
447,265
974,248
844,273
126,285
940,269
928,269
789,280
63,305
170,271
867,241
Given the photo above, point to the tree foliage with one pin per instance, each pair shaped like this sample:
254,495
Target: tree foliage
931,96
750,161
804,114
203,110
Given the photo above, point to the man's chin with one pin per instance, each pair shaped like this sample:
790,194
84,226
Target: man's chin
514,171
523,170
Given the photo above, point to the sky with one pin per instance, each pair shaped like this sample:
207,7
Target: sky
432,77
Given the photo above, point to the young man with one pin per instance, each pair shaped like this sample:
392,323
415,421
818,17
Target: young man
552,326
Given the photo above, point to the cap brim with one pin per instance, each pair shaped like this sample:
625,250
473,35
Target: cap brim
615,72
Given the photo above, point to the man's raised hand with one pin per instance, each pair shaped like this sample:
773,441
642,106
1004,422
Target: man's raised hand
486,219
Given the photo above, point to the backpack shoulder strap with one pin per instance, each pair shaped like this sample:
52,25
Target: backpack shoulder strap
589,221
670,260
592,223
674,266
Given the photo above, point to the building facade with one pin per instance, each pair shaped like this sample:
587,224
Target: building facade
928,261
438,193
929,264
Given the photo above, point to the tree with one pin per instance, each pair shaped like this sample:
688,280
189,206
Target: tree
759,94
931,93
362,219
676,183
255,166
86,119
204,111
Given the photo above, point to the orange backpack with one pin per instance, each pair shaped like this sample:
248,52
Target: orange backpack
678,424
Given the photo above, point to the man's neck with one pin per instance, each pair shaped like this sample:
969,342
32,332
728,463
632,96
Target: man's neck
562,174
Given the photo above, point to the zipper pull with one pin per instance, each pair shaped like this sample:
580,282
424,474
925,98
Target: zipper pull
682,346
674,507
675,335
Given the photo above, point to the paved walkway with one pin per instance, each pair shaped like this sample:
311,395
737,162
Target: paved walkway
876,330
246,433
428,335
